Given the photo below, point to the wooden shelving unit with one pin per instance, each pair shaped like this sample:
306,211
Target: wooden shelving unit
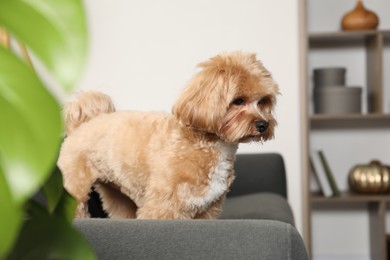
317,198
322,121
374,42
345,36
377,206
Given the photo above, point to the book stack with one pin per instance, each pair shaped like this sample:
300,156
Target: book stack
323,174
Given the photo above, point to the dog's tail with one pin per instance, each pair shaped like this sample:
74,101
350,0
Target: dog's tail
87,105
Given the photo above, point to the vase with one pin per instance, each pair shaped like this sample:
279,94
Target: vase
360,18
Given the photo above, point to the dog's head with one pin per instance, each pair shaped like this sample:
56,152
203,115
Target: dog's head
232,96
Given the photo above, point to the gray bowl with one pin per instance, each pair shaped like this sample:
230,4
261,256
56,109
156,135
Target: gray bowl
324,77
338,100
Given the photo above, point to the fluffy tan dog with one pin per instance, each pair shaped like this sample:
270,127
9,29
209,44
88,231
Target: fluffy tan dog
169,166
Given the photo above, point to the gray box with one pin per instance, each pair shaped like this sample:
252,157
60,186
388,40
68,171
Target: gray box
329,77
338,100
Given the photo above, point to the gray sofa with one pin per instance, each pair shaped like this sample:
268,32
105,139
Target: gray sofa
256,223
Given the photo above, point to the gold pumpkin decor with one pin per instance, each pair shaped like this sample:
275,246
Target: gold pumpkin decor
373,178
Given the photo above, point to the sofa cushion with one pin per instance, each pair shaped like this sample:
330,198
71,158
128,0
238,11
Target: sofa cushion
258,206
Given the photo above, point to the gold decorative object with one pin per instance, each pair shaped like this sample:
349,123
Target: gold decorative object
373,178
359,18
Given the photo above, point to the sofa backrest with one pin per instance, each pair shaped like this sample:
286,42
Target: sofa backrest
262,172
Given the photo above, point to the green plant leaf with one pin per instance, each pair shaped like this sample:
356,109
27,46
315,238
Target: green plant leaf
11,217
66,207
49,237
35,209
55,30
30,134
53,189
59,201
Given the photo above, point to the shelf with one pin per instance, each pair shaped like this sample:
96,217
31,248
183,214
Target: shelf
346,35
348,197
347,121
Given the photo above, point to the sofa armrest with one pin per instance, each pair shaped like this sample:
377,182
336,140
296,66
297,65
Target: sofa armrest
192,239
256,173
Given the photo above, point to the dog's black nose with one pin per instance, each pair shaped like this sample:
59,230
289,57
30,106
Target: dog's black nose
261,126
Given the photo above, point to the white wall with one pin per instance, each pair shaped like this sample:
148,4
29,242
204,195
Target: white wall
143,52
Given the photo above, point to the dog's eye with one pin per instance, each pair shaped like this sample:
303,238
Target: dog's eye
265,101
238,101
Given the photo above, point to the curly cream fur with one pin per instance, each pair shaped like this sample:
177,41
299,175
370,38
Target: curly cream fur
169,166
87,106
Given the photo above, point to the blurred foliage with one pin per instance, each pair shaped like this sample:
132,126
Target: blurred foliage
55,32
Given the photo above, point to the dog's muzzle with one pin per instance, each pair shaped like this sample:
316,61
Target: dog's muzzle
261,126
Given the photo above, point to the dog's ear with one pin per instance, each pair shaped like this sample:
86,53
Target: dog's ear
205,100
